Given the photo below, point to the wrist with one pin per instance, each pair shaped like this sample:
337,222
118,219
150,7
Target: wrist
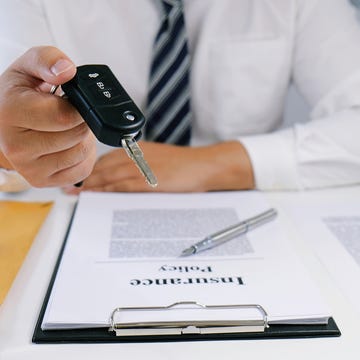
12,181
4,162
229,167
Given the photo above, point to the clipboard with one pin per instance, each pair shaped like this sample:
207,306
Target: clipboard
118,332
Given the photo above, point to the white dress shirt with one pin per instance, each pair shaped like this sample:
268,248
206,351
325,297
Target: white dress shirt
245,53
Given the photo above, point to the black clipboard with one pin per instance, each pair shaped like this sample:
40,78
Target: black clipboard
104,335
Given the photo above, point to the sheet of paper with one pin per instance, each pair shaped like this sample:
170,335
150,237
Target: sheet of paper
19,224
123,251
333,232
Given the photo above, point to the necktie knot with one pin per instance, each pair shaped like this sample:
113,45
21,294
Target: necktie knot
168,5
170,12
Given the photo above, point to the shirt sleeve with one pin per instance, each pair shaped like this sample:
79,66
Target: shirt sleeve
326,70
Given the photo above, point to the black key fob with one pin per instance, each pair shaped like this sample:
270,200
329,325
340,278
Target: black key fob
104,104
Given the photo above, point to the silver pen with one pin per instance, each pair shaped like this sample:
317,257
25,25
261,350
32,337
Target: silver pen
231,232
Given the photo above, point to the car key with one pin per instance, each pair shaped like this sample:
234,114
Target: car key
109,112
134,152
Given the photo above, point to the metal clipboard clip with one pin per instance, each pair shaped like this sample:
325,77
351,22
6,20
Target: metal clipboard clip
181,323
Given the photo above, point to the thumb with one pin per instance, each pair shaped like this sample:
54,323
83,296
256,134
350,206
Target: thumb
46,63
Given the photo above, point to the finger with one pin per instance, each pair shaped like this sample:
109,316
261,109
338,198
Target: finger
131,184
43,112
39,65
45,63
114,158
71,175
35,144
63,168
110,175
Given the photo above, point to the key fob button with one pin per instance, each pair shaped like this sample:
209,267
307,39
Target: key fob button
101,85
129,115
104,96
90,75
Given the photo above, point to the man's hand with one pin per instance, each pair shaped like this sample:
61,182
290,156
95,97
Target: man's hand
41,135
224,166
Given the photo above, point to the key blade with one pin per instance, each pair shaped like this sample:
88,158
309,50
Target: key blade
136,155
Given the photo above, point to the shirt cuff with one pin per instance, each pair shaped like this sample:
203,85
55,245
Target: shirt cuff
11,181
273,160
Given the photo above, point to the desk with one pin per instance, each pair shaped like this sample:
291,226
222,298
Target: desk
20,309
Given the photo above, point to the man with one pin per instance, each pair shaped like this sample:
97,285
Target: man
243,56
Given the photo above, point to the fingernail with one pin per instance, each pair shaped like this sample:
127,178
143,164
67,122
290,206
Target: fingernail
61,66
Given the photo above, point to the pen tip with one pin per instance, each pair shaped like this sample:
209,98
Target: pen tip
188,251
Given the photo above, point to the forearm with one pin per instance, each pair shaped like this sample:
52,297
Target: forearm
222,166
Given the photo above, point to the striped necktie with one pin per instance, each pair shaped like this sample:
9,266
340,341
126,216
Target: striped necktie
168,111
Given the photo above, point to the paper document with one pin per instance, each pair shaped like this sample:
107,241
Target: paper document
123,251
333,232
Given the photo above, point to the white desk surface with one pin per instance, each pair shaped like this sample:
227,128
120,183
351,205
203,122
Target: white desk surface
19,312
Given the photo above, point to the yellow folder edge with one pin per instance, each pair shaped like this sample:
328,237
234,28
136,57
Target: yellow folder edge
19,224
